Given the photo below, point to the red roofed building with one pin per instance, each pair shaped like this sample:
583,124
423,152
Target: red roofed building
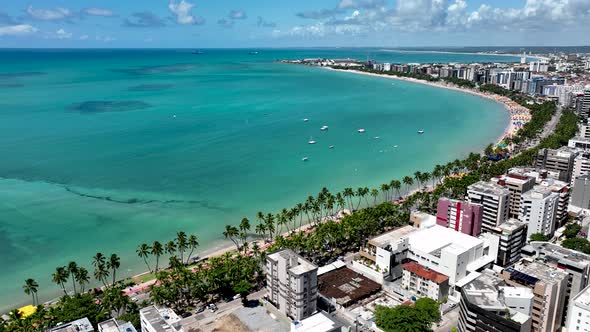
424,282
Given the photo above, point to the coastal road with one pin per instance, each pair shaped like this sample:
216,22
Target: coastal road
550,126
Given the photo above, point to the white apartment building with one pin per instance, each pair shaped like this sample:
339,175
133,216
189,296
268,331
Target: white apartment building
292,284
539,210
112,325
495,201
517,184
579,312
424,282
539,66
581,166
159,319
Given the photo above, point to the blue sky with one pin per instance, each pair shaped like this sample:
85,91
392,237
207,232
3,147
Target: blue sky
276,23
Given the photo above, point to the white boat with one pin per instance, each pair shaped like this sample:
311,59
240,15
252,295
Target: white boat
324,128
311,141
331,146
305,120
304,159
362,130
376,137
396,146
421,131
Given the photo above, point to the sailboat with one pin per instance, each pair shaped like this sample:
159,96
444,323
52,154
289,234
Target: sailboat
311,141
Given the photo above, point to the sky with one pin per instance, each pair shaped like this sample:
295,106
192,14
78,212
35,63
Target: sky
287,23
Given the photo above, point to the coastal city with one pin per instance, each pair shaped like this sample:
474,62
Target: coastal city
498,241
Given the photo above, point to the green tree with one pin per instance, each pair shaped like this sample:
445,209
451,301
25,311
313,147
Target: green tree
31,287
73,270
243,288
539,237
143,251
181,243
60,277
231,232
571,230
157,250
113,264
82,278
193,243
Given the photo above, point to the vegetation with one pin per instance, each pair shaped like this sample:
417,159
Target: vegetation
405,318
571,230
539,237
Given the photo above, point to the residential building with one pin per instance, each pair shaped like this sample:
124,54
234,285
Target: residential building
461,216
539,66
424,282
561,160
539,210
580,143
562,189
517,184
112,325
585,103
549,286
513,236
579,318
488,304
581,192
80,325
422,219
574,263
319,322
495,201
292,284
159,319
581,165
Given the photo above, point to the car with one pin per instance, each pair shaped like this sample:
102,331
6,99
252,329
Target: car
200,309
186,314
237,296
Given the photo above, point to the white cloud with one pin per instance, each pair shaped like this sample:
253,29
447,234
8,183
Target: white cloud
63,34
49,14
17,30
84,37
183,12
237,15
98,12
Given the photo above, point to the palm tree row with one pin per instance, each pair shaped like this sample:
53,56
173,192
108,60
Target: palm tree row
175,248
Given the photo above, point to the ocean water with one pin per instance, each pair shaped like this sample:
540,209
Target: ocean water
101,150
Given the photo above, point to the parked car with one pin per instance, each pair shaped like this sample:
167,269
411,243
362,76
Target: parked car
186,314
200,309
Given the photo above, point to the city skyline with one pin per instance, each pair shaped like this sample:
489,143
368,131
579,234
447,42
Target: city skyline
306,23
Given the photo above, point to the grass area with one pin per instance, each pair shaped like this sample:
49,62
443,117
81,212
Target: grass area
146,277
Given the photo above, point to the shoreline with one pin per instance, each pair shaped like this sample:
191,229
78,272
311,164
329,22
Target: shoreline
536,57
517,113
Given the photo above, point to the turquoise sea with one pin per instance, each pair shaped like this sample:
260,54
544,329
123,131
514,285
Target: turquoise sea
101,150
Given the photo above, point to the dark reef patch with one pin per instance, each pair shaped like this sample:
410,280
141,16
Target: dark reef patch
10,85
93,107
4,76
150,70
150,87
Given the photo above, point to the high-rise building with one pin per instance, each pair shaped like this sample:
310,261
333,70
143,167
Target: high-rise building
539,211
461,216
539,66
561,160
579,312
513,236
581,165
112,325
489,304
79,325
549,285
495,201
562,189
517,184
574,263
581,192
292,284
159,319
585,103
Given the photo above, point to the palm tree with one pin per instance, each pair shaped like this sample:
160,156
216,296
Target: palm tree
418,178
193,243
374,194
101,274
170,248
157,250
98,260
181,240
385,190
270,225
60,276
143,251
114,263
82,278
244,229
396,185
30,287
408,181
73,269
261,230
348,193
231,232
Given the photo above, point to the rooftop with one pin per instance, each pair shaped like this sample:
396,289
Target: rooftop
488,188
556,255
161,319
112,325
425,273
529,271
538,192
319,322
80,325
436,239
393,235
510,225
346,286
583,298
298,265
